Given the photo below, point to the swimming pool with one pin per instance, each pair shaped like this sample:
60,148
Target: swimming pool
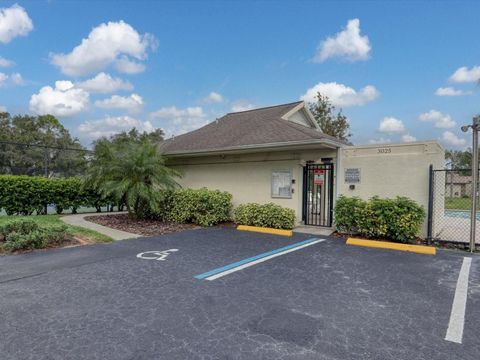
462,214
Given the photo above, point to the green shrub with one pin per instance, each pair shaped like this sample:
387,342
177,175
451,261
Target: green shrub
265,215
408,219
28,235
345,213
24,226
202,207
398,219
24,195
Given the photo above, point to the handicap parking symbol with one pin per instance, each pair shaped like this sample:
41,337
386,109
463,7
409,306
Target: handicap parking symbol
156,254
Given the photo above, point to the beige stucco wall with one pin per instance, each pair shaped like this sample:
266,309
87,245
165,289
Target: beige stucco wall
392,170
248,177
386,171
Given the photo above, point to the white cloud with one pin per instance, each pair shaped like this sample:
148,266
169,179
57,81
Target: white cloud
3,79
3,108
64,100
347,44
17,79
450,91
408,138
5,62
134,102
213,97
439,119
449,138
242,105
104,83
179,121
126,66
341,95
14,79
14,21
465,75
107,44
380,140
391,125
113,125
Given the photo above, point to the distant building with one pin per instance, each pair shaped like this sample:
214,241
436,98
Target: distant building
457,185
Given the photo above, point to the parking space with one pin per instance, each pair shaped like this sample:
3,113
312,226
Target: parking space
278,297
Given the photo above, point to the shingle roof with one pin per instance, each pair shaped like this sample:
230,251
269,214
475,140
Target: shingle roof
247,128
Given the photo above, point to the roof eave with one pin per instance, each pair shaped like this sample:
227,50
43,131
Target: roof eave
251,148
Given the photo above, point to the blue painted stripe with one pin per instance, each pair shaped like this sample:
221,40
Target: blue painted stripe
253,258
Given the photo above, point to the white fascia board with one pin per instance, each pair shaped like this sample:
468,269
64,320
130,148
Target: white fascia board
308,114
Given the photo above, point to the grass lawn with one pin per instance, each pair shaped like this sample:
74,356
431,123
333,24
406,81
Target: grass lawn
457,203
55,220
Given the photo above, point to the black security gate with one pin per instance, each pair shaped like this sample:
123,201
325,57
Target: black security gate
318,194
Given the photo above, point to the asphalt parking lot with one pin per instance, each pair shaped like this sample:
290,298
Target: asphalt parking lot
311,300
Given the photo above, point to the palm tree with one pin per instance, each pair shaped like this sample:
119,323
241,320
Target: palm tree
133,172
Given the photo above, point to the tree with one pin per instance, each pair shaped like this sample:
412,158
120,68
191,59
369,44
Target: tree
458,159
130,168
50,142
155,137
331,123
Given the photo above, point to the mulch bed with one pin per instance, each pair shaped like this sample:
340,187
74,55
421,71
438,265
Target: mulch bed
142,227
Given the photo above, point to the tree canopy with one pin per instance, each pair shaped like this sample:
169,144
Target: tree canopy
129,168
458,159
331,122
50,142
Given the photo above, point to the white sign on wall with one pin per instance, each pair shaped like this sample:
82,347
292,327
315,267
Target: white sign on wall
281,184
352,175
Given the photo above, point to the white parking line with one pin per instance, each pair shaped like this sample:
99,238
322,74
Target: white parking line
457,316
242,264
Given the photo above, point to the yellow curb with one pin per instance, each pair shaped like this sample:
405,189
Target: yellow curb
265,230
420,249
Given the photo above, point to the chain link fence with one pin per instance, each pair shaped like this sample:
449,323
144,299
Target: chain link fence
450,206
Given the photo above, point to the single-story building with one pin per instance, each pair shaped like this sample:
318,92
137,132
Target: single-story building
279,154
458,185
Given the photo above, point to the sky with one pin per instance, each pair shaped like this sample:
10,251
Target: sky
400,71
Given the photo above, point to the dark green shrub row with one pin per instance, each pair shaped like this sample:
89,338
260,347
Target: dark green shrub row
202,207
398,219
28,235
24,195
265,215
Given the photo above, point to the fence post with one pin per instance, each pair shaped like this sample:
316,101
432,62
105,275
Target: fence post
45,164
430,205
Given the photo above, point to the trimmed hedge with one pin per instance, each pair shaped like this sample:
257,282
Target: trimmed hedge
24,195
265,215
28,235
198,206
398,219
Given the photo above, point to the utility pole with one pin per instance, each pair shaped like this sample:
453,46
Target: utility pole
473,213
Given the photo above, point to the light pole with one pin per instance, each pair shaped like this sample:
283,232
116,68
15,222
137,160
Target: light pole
473,213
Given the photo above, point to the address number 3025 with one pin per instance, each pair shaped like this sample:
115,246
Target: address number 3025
384,150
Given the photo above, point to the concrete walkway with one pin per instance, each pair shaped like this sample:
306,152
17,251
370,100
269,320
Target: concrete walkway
313,230
79,220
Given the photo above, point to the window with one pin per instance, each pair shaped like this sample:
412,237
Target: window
282,184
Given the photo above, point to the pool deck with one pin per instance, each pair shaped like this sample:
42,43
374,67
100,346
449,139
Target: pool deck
455,229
